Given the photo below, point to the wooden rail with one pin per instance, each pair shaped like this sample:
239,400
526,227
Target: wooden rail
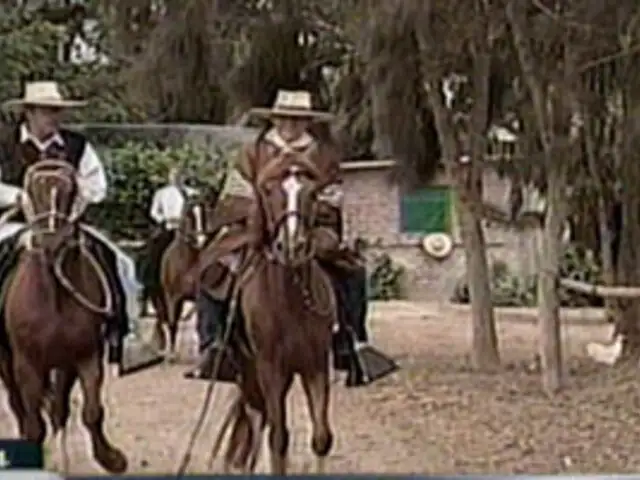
615,291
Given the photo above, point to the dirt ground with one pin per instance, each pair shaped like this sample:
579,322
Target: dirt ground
434,416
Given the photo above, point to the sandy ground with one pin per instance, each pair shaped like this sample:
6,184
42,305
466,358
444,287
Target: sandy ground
434,416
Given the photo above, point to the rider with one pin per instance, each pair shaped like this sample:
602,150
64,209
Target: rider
166,210
291,120
38,136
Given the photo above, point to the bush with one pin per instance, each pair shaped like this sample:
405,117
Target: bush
508,290
385,278
136,169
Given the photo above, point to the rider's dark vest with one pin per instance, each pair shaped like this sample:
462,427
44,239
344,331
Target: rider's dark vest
16,156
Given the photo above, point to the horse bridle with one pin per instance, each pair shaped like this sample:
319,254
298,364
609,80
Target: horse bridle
191,238
64,171
273,225
47,168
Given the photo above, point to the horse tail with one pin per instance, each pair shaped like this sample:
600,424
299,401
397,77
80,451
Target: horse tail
229,417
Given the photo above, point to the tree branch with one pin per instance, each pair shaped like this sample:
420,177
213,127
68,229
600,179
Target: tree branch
517,22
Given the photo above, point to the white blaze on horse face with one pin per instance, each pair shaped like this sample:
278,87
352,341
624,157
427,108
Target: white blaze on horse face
53,210
199,221
292,187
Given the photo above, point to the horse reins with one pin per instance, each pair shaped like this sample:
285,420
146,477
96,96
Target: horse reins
217,363
53,168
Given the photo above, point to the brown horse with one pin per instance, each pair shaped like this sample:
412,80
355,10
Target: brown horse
289,308
56,306
177,270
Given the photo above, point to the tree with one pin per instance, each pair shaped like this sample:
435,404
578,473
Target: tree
32,40
578,127
414,50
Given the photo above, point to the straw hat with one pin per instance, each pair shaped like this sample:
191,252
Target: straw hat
43,94
437,245
292,103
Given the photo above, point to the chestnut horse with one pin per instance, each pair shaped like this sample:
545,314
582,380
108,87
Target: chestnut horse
55,312
177,270
288,306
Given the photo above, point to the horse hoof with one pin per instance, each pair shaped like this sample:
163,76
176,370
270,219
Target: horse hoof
113,461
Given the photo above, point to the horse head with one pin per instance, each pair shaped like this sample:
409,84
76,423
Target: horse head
196,221
287,198
50,191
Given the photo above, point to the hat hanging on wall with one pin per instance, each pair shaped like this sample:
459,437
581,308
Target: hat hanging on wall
437,245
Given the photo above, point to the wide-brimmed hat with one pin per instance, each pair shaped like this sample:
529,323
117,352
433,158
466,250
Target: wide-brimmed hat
437,245
292,103
43,94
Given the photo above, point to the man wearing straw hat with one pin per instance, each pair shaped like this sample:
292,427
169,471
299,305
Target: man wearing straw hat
289,130
38,136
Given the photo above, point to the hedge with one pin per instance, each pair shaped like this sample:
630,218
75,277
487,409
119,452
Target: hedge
136,169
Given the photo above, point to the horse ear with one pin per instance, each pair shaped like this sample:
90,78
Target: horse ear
212,195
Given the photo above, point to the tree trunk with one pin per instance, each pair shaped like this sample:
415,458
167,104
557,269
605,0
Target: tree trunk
548,301
606,253
628,268
468,184
629,259
484,352
485,339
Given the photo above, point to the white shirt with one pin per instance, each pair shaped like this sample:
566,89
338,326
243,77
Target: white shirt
91,176
167,205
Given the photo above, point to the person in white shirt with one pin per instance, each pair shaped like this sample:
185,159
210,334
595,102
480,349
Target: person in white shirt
38,136
166,209
168,201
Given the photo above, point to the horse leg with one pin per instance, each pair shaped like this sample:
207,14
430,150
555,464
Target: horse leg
173,324
224,426
245,440
59,411
258,421
31,387
159,337
11,386
91,374
275,386
316,389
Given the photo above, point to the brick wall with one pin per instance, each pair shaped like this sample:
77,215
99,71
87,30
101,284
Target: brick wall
372,212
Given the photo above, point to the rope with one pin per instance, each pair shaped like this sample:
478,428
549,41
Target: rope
8,214
68,285
312,303
208,396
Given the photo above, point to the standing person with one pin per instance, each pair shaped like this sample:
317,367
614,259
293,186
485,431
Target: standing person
168,201
38,136
289,131
165,211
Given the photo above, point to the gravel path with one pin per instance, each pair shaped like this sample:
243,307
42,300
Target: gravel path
435,416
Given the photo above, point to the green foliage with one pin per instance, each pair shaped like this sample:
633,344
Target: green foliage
579,264
136,169
385,279
30,49
509,290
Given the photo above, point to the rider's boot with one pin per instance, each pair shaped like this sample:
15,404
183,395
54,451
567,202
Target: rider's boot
365,364
126,348
118,323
